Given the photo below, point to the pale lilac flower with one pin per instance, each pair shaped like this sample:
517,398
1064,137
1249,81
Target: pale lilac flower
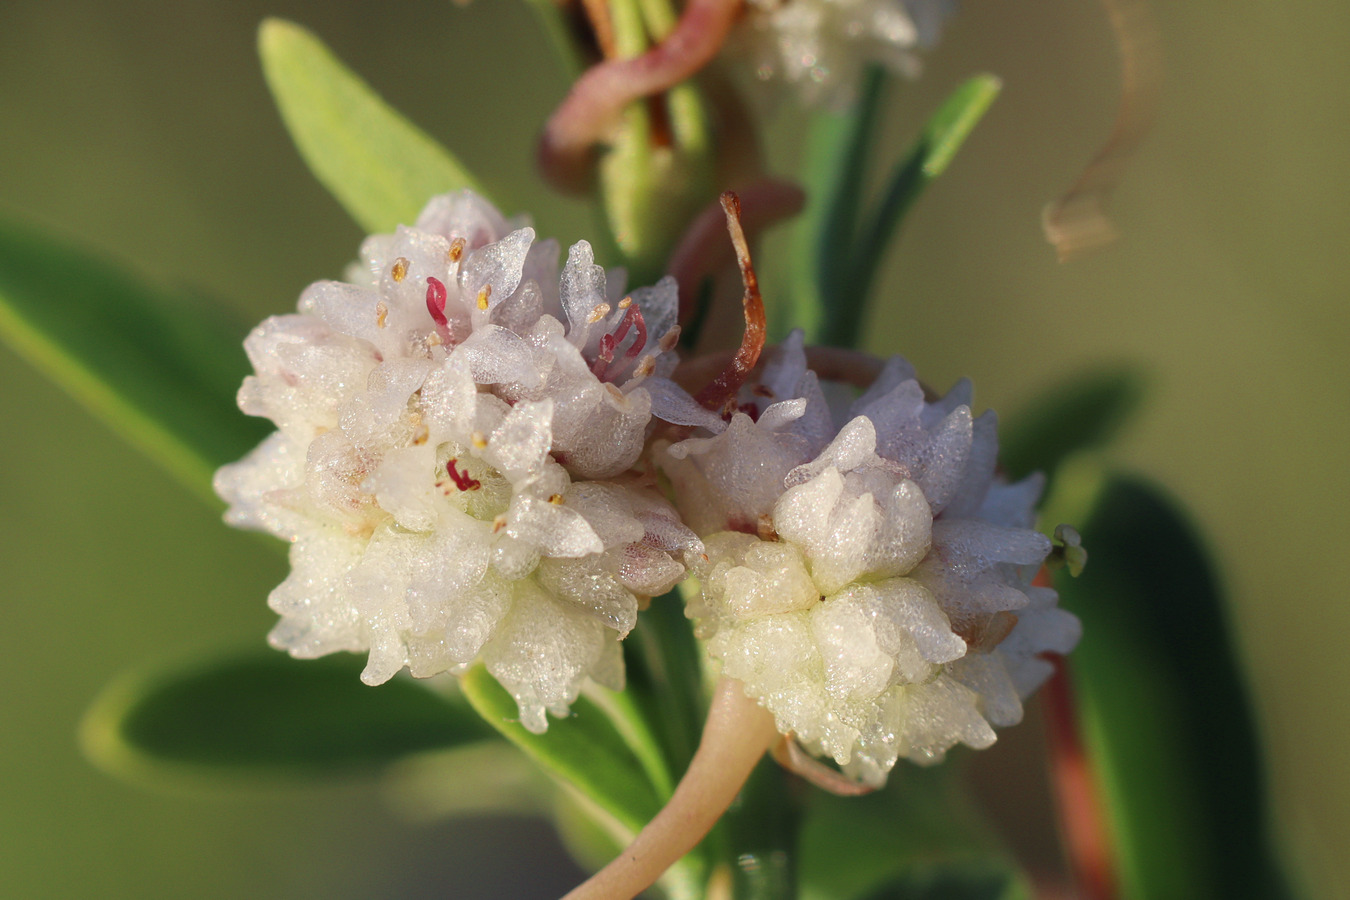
439,433
870,581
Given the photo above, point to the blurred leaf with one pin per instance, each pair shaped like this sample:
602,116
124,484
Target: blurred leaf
838,150
378,165
162,370
1165,706
1081,413
944,134
584,750
917,838
261,713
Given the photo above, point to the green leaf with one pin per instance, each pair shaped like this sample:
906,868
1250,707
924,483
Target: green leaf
378,165
263,713
920,837
1082,413
944,134
585,751
161,369
1165,707
838,151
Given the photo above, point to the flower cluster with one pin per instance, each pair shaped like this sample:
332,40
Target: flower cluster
820,47
456,429
869,584
466,465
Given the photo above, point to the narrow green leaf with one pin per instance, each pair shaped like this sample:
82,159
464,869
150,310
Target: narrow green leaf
1083,412
932,153
584,750
838,152
377,164
161,369
263,713
920,837
1165,706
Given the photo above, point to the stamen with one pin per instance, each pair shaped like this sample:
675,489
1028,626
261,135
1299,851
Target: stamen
381,314
625,302
600,311
669,339
484,294
436,301
420,434
645,366
399,271
556,499
498,523
461,479
479,440
456,249
722,391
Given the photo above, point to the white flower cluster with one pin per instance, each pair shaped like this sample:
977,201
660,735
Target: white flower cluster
465,466
870,584
456,430
820,47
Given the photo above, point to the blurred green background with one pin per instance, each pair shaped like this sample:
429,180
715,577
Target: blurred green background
143,130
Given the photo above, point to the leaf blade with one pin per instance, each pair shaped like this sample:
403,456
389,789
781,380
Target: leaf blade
1168,722
161,369
1081,413
584,750
378,165
261,713
944,133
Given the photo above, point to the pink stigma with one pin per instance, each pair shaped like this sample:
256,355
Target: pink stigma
436,304
461,479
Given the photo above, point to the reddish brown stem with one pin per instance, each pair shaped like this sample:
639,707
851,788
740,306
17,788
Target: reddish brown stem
722,391
1081,812
596,99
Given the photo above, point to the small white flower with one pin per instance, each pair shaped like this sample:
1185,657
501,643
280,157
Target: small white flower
870,584
437,427
820,47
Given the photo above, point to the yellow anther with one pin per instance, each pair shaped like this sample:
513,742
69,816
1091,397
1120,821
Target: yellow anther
625,302
399,271
484,294
456,249
598,313
645,366
556,499
434,339
420,435
381,314
479,440
669,339
498,524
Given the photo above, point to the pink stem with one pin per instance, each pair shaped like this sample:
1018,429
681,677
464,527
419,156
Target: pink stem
598,96
737,733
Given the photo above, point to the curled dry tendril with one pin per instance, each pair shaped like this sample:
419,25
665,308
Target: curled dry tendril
722,391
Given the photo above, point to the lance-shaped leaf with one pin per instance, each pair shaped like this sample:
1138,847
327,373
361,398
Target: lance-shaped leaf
585,751
1081,413
378,165
263,713
920,837
838,152
161,369
942,136
1165,706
